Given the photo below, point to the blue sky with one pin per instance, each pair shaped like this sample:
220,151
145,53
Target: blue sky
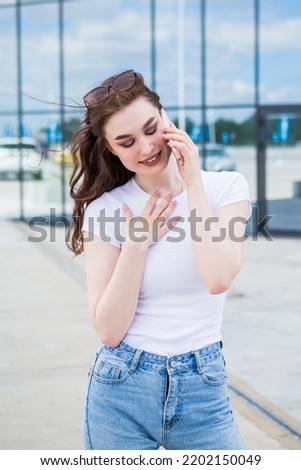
103,37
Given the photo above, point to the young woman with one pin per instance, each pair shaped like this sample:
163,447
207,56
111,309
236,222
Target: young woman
162,242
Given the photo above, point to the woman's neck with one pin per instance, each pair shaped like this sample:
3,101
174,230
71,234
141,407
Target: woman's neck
170,180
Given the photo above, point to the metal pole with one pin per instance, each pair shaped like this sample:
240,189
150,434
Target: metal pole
203,73
153,44
256,52
260,122
20,104
62,99
181,63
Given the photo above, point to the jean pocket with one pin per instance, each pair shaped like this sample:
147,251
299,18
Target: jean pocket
110,368
214,372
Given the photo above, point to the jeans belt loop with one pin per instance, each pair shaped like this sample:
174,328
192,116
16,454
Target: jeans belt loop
198,360
135,360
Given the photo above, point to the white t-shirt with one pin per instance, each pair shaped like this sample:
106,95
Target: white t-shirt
175,313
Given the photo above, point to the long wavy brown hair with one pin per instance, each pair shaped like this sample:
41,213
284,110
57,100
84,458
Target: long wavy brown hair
95,168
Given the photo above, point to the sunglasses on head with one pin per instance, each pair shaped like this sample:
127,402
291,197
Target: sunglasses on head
122,82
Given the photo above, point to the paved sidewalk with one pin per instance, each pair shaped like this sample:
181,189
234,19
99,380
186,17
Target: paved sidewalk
47,342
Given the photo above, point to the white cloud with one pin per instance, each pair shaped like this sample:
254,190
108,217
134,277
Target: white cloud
225,90
243,90
8,78
281,94
281,36
276,36
232,38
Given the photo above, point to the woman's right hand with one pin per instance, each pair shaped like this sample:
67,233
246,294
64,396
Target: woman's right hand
153,223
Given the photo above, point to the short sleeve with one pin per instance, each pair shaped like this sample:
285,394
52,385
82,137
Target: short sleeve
232,187
103,218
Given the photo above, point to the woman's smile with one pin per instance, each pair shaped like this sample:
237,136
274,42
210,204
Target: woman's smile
152,161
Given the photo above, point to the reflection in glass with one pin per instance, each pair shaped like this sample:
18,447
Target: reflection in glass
280,45
230,51
8,79
40,59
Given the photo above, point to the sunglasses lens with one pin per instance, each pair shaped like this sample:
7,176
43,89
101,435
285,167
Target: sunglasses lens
93,96
124,81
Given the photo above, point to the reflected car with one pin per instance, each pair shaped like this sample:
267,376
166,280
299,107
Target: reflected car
65,156
217,158
10,159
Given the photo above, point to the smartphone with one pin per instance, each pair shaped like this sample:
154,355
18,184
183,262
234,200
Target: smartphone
167,123
165,118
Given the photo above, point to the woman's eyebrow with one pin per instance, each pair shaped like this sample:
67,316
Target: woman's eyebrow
124,136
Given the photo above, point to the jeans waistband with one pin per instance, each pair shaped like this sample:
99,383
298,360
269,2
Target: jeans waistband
179,362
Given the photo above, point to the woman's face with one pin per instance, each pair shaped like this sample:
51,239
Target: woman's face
134,134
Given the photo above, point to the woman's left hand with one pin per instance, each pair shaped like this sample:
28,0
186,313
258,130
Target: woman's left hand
186,153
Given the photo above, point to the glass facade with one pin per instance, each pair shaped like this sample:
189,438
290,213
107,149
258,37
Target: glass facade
230,52
280,46
213,63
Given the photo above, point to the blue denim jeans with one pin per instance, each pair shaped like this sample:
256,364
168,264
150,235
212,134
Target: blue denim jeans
140,401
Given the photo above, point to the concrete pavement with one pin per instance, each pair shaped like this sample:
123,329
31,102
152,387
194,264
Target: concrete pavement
47,342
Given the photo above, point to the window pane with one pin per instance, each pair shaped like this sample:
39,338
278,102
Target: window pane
178,46
283,169
44,193
8,82
192,65
40,56
102,39
235,130
280,40
230,51
9,191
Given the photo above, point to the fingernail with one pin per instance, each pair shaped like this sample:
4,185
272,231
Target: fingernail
171,194
174,202
125,207
158,191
